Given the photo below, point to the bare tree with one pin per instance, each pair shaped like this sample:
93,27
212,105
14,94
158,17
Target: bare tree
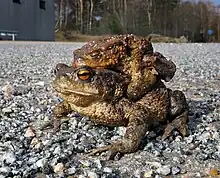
142,17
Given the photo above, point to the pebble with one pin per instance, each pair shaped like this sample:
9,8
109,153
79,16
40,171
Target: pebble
107,169
175,170
71,170
9,157
148,174
85,163
5,169
41,162
7,110
59,168
92,175
57,150
8,90
98,163
29,132
164,170
35,141
40,83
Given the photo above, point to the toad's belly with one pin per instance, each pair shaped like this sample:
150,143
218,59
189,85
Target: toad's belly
103,113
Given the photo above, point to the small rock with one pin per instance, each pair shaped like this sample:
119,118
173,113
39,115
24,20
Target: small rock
29,132
40,83
41,175
92,175
98,163
107,170
5,169
178,139
85,163
59,168
73,123
9,158
148,174
41,162
38,110
34,141
7,110
175,170
154,164
164,170
32,160
8,90
121,131
137,173
57,150
71,170
157,176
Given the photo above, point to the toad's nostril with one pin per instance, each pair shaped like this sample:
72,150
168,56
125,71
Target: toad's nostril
55,71
60,66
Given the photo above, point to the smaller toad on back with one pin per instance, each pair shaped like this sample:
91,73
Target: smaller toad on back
131,56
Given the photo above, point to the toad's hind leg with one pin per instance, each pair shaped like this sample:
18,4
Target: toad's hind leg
135,131
179,114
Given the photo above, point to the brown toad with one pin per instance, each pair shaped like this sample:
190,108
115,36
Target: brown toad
99,94
131,56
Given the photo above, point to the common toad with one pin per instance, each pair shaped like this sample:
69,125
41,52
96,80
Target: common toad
131,56
99,94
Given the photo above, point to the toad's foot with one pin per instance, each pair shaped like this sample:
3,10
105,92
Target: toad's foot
54,124
179,124
59,116
179,112
113,151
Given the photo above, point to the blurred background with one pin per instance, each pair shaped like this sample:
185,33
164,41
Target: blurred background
197,21
82,20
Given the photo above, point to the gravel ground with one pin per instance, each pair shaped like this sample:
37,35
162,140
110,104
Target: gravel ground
26,100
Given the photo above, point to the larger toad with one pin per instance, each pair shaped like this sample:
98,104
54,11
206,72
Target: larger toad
131,56
99,94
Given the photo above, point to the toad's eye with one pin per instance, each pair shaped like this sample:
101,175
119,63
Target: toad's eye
110,47
94,54
84,74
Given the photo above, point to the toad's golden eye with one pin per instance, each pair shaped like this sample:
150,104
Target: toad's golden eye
84,74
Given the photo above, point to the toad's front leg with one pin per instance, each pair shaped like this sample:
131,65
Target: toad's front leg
135,131
60,112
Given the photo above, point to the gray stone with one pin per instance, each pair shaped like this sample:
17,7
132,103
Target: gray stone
9,157
175,170
41,162
71,170
5,169
7,110
164,170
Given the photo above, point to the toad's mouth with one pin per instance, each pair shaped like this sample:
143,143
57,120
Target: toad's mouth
69,91
84,93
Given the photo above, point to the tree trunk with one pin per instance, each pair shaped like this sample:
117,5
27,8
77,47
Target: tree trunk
125,16
58,16
149,13
81,17
66,14
91,15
